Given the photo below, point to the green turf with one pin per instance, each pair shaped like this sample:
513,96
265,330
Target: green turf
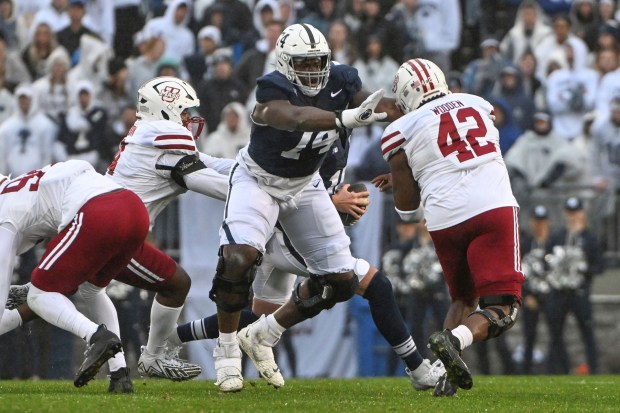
502,394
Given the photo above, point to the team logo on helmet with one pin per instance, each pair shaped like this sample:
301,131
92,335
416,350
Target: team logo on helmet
170,94
395,84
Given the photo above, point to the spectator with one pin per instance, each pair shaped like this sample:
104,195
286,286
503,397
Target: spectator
52,90
8,24
11,64
439,22
605,149
28,137
199,65
37,52
232,17
403,15
323,17
480,74
264,12
220,90
231,134
143,67
92,64
55,14
531,84
84,127
341,43
172,27
584,21
260,59
509,88
606,61
557,43
528,32
374,24
69,37
540,158
114,96
575,259
7,101
509,130
100,19
375,67
571,93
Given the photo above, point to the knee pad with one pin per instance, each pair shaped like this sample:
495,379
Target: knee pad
324,294
237,286
503,322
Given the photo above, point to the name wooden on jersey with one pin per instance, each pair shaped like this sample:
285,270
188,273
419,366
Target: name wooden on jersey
447,107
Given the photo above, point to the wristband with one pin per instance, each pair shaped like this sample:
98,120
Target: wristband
416,215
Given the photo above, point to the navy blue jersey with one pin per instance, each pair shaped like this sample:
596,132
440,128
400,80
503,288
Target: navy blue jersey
332,168
294,154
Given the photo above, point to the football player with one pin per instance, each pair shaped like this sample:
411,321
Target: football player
94,226
303,108
446,166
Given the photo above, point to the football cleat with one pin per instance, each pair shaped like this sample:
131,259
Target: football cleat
103,345
446,348
120,382
18,295
261,355
444,387
228,367
426,375
167,365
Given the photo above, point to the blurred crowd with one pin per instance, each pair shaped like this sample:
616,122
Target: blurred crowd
70,70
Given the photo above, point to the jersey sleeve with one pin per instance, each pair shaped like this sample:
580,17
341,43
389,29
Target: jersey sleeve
348,77
220,165
273,86
391,142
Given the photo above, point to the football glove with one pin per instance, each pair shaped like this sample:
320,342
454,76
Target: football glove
362,115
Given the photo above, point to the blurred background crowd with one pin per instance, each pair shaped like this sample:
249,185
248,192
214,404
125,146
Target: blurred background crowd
70,70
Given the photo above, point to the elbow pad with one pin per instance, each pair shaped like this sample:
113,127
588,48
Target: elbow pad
416,215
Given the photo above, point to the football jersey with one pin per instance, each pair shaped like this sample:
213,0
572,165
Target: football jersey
452,148
295,156
40,203
146,156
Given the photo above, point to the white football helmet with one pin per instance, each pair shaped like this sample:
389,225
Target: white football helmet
297,43
417,81
165,98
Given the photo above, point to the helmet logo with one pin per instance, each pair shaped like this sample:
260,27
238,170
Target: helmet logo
170,94
395,84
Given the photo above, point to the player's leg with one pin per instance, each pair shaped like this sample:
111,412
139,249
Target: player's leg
114,233
315,230
249,218
480,258
153,270
377,289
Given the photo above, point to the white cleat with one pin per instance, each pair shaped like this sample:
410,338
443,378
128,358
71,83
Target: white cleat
167,366
426,375
261,355
228,367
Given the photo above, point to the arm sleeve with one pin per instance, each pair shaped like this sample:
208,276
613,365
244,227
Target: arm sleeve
8,251
208,182
220,165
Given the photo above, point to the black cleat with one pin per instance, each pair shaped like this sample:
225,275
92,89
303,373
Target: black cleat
444,387
120,382
446,347
103,345
18,295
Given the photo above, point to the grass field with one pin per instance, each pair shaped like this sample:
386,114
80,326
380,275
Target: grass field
500,394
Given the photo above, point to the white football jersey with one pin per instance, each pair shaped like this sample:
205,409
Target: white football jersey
453,150
146,156
39,204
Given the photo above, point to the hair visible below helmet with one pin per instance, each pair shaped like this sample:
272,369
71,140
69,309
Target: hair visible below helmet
303,41
165,98
416,82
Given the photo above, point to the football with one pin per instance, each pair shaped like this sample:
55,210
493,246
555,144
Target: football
348,219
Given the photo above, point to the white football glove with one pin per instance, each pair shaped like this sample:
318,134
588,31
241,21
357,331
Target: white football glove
362,115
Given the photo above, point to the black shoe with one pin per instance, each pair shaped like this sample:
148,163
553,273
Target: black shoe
446,347
120,381
103,345
444,387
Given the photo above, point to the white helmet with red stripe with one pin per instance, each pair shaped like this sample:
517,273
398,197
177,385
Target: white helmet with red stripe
166,98
416,82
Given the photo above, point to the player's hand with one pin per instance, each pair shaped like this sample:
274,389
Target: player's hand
353,203
382,182
362,115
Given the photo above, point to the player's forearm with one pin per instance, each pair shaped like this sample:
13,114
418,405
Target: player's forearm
208,182
8,250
